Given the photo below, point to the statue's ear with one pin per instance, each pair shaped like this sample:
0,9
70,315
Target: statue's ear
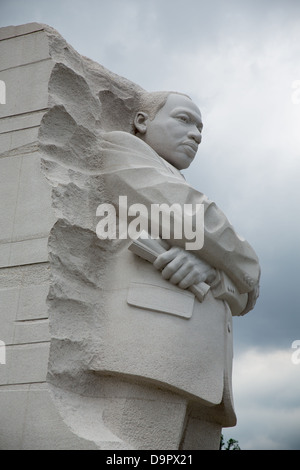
140,122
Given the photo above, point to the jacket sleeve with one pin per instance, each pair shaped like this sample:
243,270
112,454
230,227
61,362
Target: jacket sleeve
131,168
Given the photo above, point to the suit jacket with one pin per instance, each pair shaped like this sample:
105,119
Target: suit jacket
151,330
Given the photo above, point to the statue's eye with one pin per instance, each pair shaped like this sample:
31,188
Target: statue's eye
183,118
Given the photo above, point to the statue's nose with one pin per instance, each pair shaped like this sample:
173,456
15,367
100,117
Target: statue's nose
195,134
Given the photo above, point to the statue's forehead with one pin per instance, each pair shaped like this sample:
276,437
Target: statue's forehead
175,101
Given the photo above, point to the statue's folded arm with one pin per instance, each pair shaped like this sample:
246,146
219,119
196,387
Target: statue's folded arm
132,169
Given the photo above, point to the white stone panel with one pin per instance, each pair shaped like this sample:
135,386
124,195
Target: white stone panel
23,315
20,122
9,299
30,421
31,331
24,252
25,88
20,30
32,303
9,181
18,138
33,212
27,49
26,216
25,364
12,416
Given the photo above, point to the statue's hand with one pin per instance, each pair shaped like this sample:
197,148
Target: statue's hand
252,298
183,268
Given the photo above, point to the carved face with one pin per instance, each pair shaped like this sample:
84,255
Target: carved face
175,132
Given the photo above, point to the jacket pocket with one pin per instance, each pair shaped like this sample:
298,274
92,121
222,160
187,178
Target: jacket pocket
174,301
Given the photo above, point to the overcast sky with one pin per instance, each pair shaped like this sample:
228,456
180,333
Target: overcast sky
239,61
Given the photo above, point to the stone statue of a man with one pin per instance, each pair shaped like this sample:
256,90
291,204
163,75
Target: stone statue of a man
172,369
141,347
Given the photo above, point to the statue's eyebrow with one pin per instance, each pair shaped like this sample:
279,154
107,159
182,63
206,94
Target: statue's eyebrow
191,114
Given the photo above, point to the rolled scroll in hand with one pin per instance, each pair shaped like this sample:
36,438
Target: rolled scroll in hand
149,249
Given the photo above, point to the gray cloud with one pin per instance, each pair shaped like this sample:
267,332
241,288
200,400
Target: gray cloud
267,388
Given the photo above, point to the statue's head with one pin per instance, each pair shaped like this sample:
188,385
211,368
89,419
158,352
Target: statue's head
171,124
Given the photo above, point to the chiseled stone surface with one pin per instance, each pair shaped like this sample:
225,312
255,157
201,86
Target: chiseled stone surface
29,419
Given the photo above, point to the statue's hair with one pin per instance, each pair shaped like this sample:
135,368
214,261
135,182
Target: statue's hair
152,102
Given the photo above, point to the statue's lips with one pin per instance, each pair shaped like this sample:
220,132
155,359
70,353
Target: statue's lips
191,145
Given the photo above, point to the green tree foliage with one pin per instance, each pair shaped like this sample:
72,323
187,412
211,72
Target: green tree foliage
231,444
